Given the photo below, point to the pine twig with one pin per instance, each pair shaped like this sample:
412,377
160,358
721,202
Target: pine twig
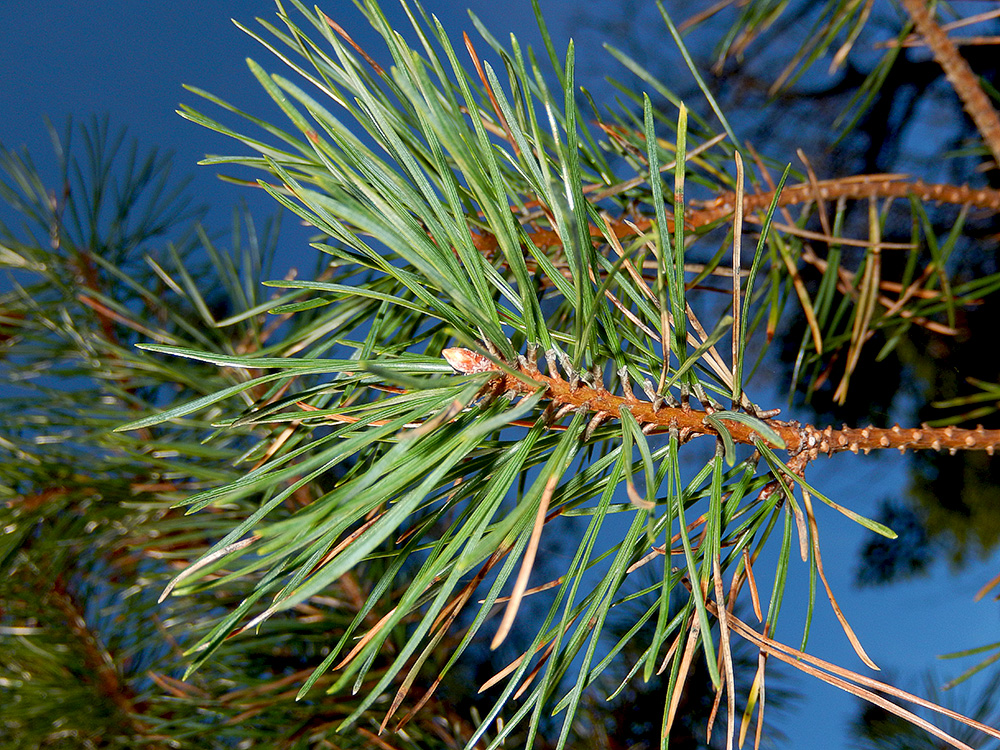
798,439
959,75
858,187
852,188
101,669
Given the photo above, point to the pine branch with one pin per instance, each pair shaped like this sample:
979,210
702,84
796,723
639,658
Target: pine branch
415,503
100,665
571,396
959,74
857,187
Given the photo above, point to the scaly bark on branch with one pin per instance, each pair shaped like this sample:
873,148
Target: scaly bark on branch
690,423
851,188
959,74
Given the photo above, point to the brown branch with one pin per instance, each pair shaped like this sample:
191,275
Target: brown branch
959,75
851,188
692,423
100,665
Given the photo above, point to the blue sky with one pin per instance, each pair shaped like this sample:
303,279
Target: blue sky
129,60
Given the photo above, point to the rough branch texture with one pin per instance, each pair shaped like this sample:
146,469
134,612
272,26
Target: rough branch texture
959,75
579,396
851,188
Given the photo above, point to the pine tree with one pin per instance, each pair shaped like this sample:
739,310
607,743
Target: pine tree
242,514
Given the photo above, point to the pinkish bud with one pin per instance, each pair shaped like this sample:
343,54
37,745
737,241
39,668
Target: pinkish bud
467,362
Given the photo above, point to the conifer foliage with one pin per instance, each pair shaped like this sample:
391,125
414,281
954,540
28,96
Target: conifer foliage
298,513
